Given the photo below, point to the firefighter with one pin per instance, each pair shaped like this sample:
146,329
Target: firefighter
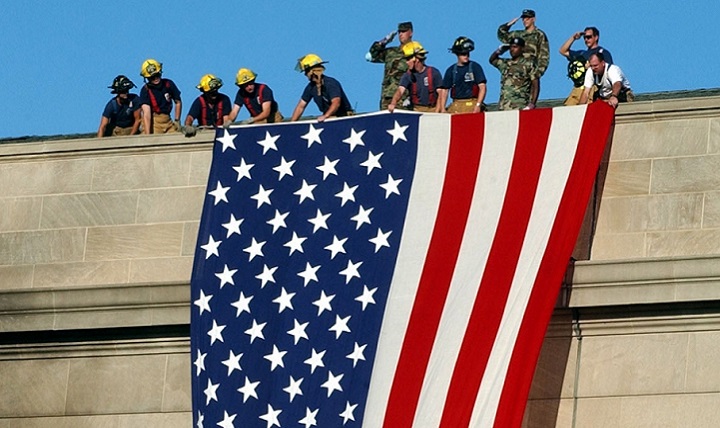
157,97
211,108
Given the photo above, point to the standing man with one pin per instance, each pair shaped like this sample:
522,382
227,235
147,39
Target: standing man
422,81
536,48
121,115
519,86
578,60
394,60
612,85
257,98
211,108
327,92
157,97
465,80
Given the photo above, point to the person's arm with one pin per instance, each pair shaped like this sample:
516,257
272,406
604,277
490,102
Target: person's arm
178,110
233,113
332,109
136,122
565,48
482,90
543,55
503,32
189,120
497,52
299,109
442,99
146,116
534,92
613,98
103,124
584,96
396,97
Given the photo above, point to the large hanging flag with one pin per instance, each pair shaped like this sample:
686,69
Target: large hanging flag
386,270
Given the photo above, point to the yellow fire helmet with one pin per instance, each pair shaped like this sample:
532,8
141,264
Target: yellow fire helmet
307,62
150,67
244,76
209,83
414,48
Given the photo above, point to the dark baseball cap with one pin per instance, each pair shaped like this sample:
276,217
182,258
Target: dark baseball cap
528,13
517,41
405,26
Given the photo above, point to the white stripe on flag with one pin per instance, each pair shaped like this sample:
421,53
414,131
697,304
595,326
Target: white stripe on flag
562,144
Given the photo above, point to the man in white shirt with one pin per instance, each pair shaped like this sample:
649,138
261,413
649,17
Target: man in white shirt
612,85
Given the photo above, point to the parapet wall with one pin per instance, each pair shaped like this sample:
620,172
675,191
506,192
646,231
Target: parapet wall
96,245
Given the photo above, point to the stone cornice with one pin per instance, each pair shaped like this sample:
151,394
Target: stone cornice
680,108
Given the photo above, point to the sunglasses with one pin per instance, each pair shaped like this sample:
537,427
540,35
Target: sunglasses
586,36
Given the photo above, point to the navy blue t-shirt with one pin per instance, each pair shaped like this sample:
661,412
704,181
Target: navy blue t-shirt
121,115
463,80
330,89
160,98
210,117
253,102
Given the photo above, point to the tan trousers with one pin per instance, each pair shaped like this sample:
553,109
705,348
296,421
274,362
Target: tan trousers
278,118
162,124
424,109
119,132
462,106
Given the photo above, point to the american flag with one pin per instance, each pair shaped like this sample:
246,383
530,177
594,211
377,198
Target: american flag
388,270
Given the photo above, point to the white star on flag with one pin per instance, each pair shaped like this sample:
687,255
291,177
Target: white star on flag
275,358
211,248
220,193
255,249
278,221
256,331
232,226
328,168
346,194
227,140
391,186
233,362
332,383
215,333
398,132
315,360
285,168
243,304
226,276
268,143
380,240
306,191
243,170
203,302
351,271
248,389
312,136
262,196
362,217
355,139
372,162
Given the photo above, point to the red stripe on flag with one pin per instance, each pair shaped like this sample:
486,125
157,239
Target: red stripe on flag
534,128
463,160
593,137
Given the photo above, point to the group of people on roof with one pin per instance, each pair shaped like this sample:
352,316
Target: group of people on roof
408,83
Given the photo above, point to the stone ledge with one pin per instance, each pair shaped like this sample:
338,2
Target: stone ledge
649,281
84,308
113,348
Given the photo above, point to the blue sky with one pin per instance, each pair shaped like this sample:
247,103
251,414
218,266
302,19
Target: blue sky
59,57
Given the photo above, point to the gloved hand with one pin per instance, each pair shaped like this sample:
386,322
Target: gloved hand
248,121
178,126
190,131
227,124
530,106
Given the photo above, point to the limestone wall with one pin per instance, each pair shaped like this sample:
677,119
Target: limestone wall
96,244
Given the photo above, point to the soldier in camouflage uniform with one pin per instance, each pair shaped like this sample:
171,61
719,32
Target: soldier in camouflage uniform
395,65
537,47
519,77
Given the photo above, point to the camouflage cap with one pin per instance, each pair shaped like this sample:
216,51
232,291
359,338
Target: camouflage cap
405,26
528,13
517,41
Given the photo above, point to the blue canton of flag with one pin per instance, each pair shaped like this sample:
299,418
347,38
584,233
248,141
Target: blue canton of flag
296,251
